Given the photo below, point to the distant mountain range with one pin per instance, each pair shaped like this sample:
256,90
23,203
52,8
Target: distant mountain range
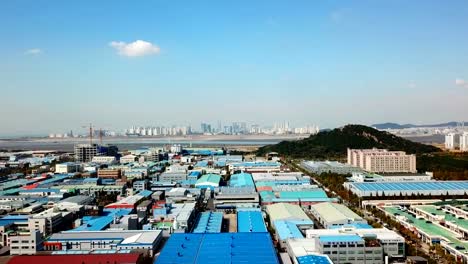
333,143
398,126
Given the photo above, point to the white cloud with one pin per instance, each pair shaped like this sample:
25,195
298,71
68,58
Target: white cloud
34,51
135,49
461,83
411,84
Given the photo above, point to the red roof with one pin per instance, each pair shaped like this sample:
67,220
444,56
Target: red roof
31,186
77,259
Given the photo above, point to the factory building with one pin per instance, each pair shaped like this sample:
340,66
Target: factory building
426,188
289,221
235,197
208,222
392,177
319,167
234,248
389,242
101,240
241,180
250,221
208,181
332,215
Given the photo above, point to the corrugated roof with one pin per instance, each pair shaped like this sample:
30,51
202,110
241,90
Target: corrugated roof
332,212
250,221
287,229
232,248
209,178
282,211
241,180
314,259
209,222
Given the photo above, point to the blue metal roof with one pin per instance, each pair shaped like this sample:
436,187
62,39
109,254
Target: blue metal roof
202,163
101,222
241,180
340,238
289,229
314,259
145,193
219,248
209,222
250,221
10,219
412,186
194,174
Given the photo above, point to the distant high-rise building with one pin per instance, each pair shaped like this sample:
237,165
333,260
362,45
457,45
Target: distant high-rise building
464,141
452,140
205,128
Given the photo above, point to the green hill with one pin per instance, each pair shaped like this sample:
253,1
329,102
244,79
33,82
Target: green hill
333,144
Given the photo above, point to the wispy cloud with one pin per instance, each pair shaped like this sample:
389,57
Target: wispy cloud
137,48
461,82
34,51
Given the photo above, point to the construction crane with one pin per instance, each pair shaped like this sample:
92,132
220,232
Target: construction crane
90,133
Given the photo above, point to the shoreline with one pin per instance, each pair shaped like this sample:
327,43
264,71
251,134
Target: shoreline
125,143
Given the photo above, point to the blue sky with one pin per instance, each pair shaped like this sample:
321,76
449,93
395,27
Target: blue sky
322,62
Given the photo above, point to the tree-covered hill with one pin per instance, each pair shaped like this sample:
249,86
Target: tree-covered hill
333,144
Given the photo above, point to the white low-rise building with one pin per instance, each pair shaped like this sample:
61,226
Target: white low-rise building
100,240
67,167
104,159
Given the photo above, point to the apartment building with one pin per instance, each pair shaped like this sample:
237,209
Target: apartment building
382,160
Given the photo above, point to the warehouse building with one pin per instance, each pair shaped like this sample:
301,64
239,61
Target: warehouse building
208,222
241,180
390,177
390,242
284,211
235,197
343,248
289,221
319,167
233,248
208,181
433,188
101,240
302,250
250,221
331,215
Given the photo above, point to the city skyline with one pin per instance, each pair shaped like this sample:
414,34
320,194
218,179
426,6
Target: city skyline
328,63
